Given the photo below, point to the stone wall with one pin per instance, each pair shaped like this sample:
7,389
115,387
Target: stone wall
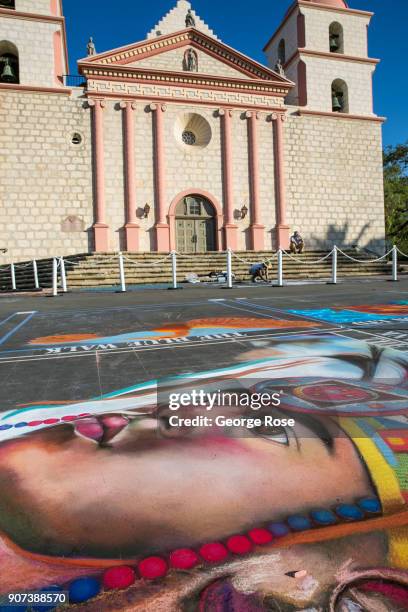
334,181
41,7
173,60
45,180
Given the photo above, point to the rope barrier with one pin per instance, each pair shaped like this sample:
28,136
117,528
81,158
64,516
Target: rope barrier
305,262
401,253
251,263
364,260
148,264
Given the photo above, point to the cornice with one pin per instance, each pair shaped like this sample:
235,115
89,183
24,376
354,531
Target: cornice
185,79
31,89
333,9
331,56
11,14
345,116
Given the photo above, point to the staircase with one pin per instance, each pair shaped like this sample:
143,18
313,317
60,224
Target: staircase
102,269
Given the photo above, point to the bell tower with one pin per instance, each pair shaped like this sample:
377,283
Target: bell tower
322,47
33,51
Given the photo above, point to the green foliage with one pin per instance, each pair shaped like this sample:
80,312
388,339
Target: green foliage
396,195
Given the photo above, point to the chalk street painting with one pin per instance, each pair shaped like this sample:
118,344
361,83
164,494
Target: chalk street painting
363,315
100,502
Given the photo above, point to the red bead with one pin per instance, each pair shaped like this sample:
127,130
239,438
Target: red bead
34,423
152,567
214,552
260,536
239,545
184,558
119,577
51,421
68,418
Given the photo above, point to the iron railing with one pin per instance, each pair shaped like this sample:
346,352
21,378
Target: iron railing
74,80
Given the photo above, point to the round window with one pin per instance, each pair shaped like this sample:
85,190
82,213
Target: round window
189,138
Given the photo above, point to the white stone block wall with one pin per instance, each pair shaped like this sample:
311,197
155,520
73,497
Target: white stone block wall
173,60
44,178
175,20
322,72
35,43
317,24
334,181
40,7
289,33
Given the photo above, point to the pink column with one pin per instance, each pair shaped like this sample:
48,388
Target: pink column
100,228
231,237
131,227
257,229
282,230
161,227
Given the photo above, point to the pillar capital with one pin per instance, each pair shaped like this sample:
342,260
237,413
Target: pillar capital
127,104
96,102
225,112
252,114
158,107
277,116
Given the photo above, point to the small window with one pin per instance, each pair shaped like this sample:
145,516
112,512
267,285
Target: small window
282,51
9,64
336,41
195,208
340,102
76,138
10,4
189,138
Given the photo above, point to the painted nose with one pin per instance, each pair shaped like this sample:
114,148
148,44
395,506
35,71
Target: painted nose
101,429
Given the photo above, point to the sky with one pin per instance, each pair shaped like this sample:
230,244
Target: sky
114,24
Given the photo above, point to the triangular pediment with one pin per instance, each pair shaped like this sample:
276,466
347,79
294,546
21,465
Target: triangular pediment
169,53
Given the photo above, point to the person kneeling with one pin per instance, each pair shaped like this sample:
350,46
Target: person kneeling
297,244
259,271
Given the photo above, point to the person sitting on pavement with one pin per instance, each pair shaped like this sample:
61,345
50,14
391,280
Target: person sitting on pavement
297,244
259,271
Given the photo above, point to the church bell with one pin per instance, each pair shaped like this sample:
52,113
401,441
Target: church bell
336,102
8,76
334,43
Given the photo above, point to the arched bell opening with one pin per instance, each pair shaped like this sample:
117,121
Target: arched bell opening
340,100
336,38
9,4
9,63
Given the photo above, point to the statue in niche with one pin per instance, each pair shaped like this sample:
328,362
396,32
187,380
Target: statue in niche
191,61
279,68
190,21
91,47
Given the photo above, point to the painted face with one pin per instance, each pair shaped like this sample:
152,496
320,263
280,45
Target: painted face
110,486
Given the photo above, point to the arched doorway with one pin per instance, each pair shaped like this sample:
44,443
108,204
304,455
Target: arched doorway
195,225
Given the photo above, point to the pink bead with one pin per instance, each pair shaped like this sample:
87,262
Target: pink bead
152,567
239,545
260,536
119,577
215,552
184,558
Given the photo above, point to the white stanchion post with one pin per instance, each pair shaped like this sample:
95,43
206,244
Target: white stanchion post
13,277
334,267
63,275
394,263
174,269
280,268
35,271
122,274
54,277
229,268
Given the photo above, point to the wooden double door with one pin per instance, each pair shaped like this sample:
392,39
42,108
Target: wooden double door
195,225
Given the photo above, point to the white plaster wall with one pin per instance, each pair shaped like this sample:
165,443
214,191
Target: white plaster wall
322,72
317,23
41,7
44,178
289,33
334,181
35,43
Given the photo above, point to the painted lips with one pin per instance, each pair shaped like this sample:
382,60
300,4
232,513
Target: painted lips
101,429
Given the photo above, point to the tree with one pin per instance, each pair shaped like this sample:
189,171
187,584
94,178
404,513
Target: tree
396,194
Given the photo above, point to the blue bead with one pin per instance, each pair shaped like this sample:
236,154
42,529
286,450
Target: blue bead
323,517
297,522
349,512
370,504
21,425
5,427
83,589
278,529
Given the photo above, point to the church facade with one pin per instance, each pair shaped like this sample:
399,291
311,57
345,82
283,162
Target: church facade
180,142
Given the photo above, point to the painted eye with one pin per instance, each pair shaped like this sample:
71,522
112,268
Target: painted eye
272,434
